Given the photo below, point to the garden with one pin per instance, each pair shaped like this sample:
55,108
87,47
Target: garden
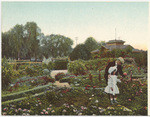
29,89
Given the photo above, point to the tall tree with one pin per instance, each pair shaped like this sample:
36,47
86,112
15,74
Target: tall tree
80,52
32,31
91,43
57,45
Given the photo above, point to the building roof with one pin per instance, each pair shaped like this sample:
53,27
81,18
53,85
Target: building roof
95,51
111,47
137,50
115,41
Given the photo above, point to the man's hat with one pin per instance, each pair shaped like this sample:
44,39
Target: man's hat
121,60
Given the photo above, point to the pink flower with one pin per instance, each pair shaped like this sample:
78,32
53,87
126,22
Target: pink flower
48,108
46,112
125,73
129,99
19,109
24,109
16,110
42,113
50,105
4,109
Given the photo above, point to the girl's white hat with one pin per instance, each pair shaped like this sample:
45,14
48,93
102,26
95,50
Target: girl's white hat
121,60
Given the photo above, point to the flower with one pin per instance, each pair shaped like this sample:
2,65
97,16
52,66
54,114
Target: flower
24,109
94,87
88,86
16,110
129,99
145,108
4,109
19,109
80,114
50,105
64,111
96,101
42,113
125,73
4,113
48,108
46,112
52,111
24,114
74,110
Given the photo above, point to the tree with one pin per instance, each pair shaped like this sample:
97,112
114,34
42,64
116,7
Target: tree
32,31
80,52
56,45
91,43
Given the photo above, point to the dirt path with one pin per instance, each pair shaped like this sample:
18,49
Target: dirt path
57,83
54,72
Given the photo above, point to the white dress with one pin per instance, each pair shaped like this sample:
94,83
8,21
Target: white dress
112,82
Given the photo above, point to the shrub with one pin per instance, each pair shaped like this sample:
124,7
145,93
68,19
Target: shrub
59,76
7,73
77,67
65,80
60,64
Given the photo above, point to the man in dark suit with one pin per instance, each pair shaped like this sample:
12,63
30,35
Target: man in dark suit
117,63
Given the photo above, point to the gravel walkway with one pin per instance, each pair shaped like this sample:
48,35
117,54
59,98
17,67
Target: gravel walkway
57,83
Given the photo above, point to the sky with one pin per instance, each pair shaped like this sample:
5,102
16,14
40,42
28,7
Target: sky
80,20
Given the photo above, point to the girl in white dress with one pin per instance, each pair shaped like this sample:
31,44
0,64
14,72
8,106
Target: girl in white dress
112,88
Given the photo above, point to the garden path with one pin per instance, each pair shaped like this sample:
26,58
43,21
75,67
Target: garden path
57,83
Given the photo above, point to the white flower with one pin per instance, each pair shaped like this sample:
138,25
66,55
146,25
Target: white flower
80,114
52,111
72,106
94,114
64,111
90,98
16,110
93,95
4,113
74,110
96,101
50,105
24,114
36,104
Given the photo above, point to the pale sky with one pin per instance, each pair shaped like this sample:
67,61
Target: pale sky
83,19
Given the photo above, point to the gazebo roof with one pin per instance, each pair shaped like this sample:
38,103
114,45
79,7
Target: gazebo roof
115,41
95,51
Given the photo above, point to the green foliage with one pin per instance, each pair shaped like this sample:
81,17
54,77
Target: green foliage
77,67
59,76
60,64
7,74
91,44
80,52
56,46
